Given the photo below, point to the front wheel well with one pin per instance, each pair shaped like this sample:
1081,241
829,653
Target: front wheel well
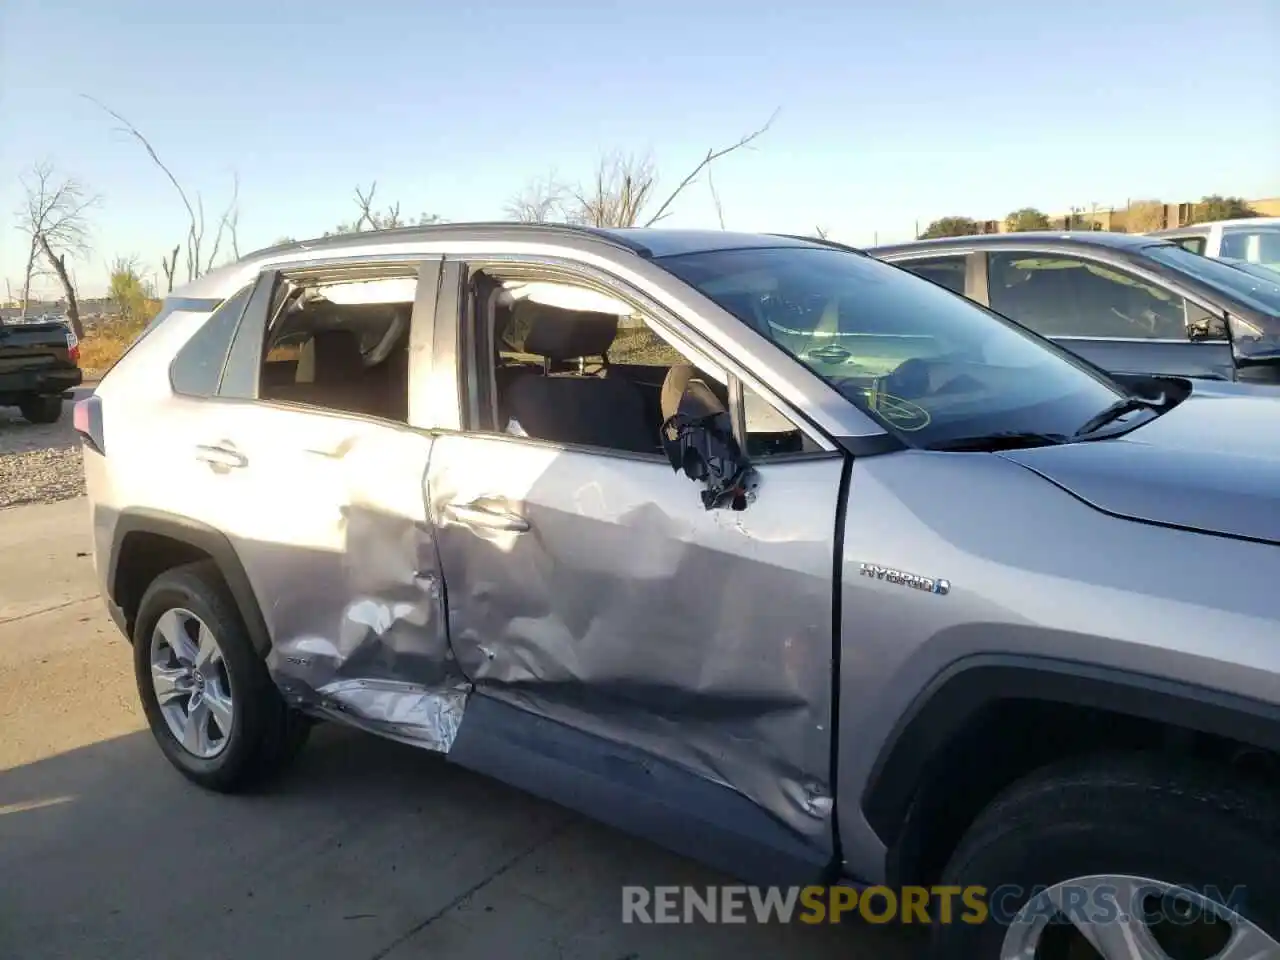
969,759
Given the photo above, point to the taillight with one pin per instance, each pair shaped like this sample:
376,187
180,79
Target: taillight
86,418
73,347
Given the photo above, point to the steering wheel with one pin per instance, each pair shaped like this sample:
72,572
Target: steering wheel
910,379
1148,320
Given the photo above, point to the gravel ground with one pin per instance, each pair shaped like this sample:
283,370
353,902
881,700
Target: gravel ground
38,463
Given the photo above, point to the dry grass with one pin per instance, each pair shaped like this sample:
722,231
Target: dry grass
103,346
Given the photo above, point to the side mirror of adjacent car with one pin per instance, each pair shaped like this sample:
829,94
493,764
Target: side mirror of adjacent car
698,440
1203,326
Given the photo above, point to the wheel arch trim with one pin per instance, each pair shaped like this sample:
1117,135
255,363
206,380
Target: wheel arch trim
204,538
959,692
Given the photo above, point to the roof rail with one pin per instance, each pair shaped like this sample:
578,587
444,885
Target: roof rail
433,230
823,241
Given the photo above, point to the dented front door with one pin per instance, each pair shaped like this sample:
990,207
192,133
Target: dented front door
595,590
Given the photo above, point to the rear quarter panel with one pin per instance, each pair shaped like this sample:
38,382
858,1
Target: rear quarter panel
136,398
1032,571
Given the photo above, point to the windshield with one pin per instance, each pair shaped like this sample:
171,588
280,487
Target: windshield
1249,288
926,363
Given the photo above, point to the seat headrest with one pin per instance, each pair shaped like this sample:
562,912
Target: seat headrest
685,380
559,334
337,355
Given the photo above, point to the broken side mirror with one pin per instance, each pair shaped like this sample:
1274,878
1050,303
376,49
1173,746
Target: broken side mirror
698,440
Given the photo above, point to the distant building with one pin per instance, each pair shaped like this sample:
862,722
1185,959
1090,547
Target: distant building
1117,219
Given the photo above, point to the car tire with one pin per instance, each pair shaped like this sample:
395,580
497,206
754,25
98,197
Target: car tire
1127,815
41,409
265,733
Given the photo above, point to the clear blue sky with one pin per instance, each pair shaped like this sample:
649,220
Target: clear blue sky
891,113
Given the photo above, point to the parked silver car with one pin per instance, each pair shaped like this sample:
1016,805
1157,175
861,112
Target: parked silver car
758,547
1251,239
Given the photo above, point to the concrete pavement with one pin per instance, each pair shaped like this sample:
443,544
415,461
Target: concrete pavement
367,849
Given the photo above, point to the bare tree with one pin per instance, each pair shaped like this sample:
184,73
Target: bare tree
169,266
54,218
371,218
542,201
227,224
197,264
620,191
616,194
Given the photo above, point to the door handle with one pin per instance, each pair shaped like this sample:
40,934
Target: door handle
221,457
480,514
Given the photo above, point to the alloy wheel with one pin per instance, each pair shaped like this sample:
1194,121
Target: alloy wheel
191,682
1132,918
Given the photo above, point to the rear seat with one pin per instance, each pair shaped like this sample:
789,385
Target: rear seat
340,381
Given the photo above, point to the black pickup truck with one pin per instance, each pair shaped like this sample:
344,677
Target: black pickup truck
39,366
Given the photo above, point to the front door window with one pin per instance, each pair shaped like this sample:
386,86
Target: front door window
1068,296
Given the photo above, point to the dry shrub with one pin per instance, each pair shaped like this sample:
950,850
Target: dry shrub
106,342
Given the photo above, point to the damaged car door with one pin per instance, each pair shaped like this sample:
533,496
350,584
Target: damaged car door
323,479
636,654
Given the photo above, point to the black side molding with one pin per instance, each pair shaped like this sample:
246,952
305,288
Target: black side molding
205,539
962,691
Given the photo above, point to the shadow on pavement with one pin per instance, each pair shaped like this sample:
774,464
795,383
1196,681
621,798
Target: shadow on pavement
366,849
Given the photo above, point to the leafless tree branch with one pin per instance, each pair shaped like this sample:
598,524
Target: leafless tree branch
715,198
712,156
195,227
225,221
197,264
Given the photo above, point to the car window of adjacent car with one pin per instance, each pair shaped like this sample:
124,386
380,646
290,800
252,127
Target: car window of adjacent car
1195,244
1069,296
928,365
1252,244
946,271
198,365
1248,288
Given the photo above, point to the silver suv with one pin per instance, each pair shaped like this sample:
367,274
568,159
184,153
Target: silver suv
752,545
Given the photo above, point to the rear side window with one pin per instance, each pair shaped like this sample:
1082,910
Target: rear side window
170,306
198,365
1252,244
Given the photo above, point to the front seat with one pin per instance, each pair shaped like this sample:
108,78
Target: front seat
707,397
574,407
